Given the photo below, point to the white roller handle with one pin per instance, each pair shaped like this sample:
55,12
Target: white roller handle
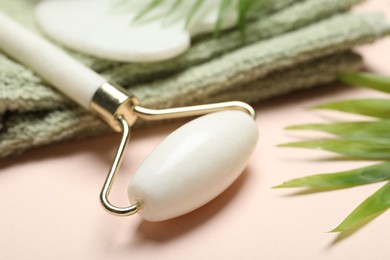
50,62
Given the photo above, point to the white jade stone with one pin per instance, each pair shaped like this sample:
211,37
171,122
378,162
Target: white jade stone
193,165
101,29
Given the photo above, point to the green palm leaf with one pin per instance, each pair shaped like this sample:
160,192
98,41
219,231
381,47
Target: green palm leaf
375,204
363,149
174,6
243,8
369,107
194,9
366,175
224,7
375,130
364,139
149,7
378,82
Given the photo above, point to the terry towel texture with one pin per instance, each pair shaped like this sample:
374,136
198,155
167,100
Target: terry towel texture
292,45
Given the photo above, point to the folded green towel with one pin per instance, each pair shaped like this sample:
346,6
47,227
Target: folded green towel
27,130
307,49
23,91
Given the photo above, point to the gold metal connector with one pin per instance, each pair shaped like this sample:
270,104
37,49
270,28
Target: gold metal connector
111,101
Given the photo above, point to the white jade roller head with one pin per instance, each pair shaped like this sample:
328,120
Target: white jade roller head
193,165
189,168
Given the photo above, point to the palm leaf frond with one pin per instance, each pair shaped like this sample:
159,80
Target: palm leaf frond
363,140
193,10
364,130
243,8
149,7
375,204
174,7
361,176
223,8
378,82
373,107
361,149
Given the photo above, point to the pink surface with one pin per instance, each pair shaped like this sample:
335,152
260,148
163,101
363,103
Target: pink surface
50,208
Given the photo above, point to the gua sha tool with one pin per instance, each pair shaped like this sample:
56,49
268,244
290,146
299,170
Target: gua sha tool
104,29
189,168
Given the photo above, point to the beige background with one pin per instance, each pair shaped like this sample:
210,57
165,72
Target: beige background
50,208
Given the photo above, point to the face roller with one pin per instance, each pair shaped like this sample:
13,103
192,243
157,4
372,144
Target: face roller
189,168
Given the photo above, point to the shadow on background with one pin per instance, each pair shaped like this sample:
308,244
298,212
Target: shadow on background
165,231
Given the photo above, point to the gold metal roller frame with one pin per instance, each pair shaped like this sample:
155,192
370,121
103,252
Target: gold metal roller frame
120,109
